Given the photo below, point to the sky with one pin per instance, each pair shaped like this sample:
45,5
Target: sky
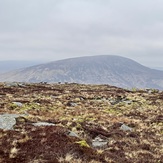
50,30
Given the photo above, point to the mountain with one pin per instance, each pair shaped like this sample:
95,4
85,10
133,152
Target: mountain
106,69
10,65
157,68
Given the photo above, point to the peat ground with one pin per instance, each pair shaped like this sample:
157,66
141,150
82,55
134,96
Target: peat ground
77,123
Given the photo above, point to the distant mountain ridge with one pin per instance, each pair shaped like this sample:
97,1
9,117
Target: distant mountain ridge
106,69
9,65
158,68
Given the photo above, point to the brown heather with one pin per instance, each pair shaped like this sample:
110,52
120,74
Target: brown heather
89,111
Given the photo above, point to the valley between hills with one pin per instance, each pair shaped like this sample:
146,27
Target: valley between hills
79,123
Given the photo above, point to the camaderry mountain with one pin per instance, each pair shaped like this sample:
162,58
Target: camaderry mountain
106,69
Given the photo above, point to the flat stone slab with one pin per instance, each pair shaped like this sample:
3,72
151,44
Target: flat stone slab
125,128
43,124
73,134
18,103
7,121
98,142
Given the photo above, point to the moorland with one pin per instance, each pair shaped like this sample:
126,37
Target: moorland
78,123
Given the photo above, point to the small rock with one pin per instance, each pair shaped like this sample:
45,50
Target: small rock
98,142
73,134
21,84
116,101
72,104
43,124
149,91
11,84
18,103
125,128
128,102
7,121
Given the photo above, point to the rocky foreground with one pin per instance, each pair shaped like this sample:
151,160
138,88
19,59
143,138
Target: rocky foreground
72,123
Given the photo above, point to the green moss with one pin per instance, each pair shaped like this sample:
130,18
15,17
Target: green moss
113,110
78,126
31,106
154,91
80,120
83,143
90,119
13,106
134,89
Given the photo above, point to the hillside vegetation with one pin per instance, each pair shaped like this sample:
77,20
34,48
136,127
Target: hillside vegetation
78,123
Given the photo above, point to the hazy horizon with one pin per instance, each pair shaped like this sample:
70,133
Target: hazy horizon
9,65
57,29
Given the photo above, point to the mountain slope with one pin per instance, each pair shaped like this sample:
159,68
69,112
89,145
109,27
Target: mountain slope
10,65
107,69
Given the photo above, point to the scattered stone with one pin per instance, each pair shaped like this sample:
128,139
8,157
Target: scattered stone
11,84
7,121
120,99
15,84
43,82
21,84
18,103
72,104
113,132
150,91
98,142
126,128
116,101
72,134
128,102
43,124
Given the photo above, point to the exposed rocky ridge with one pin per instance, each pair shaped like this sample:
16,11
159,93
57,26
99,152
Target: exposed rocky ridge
113,70
80,124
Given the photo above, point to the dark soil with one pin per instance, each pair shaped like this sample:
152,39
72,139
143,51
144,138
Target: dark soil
89,111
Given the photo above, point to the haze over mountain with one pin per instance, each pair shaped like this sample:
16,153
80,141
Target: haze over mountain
157,68
106,69
10,65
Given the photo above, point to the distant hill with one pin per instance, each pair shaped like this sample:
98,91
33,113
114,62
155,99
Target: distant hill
106,69
158,68
6,66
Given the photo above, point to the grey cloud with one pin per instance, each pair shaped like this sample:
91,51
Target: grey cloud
56,29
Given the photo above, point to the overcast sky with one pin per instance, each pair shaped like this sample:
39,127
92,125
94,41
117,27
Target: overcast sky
55,29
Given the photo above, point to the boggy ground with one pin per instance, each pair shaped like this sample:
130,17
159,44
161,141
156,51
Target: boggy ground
87,124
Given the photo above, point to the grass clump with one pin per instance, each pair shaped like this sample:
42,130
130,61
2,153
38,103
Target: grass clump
83,143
